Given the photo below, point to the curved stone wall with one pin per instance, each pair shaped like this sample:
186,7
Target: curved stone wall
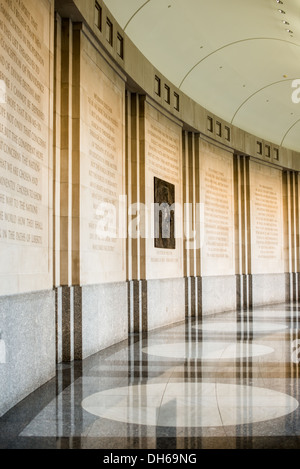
137,209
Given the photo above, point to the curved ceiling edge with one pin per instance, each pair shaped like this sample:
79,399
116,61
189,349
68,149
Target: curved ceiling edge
288,131
232,44
256,92
137,11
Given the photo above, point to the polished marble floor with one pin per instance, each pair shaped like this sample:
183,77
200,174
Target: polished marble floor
228,381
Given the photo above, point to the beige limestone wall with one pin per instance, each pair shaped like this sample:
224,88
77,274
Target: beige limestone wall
102,170
140,89
266,206
142,72
89,189
163,159
26,56
27,302
216,193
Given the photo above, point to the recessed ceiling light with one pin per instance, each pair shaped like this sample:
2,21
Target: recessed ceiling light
281,11
285,22
289,31
279,1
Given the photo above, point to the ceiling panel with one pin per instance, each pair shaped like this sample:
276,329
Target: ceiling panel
222,84
291,140
260,114
231,57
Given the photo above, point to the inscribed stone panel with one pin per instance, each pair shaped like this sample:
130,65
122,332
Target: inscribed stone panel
216,183
102,172
266,219
163,160
26,58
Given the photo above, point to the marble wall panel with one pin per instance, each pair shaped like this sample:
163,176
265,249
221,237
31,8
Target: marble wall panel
166,302
27,326
105,320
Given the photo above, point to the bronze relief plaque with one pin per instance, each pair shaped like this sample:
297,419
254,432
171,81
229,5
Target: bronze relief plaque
164,214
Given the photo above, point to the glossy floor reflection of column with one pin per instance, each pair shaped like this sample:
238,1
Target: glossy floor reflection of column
228,381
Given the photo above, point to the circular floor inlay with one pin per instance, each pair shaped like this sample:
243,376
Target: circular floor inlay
235,327
260,313
208,350
189,404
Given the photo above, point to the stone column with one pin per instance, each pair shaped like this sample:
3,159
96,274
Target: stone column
290,181
242,232
66,193
192,229
136,246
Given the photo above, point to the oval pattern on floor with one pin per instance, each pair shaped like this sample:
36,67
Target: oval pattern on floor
237,327
208,350
190,404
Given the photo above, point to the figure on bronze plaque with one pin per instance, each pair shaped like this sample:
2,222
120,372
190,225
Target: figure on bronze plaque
164,214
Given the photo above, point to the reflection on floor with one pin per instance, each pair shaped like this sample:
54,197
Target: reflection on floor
227,381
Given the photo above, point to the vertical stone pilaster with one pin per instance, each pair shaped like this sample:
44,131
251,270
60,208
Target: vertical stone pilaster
75,175
65,267
185,199
56,150
186,294
136,245
242,232
137,306
144,305
290,184
78,323
58,321
67,324
67,190
198,296
198,231
190,297
133,323
192,230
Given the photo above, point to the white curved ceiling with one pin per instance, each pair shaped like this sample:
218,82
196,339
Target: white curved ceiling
236,57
